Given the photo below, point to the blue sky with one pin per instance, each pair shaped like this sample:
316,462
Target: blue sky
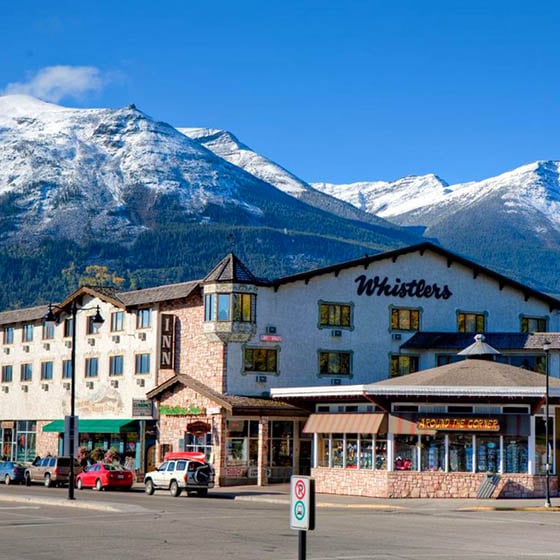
333,91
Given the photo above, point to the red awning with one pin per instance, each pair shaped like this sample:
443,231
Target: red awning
366,423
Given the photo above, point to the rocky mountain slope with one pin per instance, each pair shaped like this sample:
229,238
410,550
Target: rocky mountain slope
116,187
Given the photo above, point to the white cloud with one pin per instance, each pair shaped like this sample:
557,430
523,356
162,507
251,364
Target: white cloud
54,83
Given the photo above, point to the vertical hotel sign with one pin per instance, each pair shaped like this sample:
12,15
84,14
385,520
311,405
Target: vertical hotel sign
167,342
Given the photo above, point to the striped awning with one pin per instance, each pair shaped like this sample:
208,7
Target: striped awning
366,423
406,425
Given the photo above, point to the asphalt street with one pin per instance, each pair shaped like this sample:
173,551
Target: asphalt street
247,523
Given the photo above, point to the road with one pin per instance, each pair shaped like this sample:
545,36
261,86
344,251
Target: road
116,525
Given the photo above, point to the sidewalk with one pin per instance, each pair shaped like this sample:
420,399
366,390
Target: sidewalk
280,494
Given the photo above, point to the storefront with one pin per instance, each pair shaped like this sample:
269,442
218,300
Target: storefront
248,440
19,440
128,437
442,432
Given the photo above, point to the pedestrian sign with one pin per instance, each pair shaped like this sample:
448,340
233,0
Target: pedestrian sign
302,503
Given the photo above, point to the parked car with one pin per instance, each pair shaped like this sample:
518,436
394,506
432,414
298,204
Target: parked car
50,471
105,476
12,472
181,472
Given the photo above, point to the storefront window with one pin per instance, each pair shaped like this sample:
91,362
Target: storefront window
337,459
433,453
242,442
488,453
366,452
516,453
405,453
380,454
25,440
460,452
540,444
324,450
351,455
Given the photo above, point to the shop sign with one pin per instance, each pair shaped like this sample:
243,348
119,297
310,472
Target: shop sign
141,407
459,424
198,428
166,356
378,286
190,410
7,425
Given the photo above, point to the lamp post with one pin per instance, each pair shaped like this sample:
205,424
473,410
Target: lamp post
546,348
71,425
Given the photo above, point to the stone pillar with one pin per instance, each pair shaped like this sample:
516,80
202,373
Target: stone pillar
296,450
262,478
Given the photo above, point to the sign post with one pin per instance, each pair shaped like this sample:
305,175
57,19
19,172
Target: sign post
302,509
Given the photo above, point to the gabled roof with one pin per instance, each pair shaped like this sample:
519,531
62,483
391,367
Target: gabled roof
101,292
422,248
454,341
231,269
234,404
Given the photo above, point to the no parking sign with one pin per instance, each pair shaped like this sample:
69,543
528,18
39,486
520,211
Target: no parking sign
302,503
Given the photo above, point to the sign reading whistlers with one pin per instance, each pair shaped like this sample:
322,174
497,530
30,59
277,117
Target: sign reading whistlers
378,286
167,342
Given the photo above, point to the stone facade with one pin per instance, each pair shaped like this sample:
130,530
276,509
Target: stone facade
384,484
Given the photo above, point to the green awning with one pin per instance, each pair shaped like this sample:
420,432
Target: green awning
101,426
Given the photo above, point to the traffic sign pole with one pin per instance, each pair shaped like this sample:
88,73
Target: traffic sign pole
302,510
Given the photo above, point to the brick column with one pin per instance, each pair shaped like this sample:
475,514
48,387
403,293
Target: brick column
262,478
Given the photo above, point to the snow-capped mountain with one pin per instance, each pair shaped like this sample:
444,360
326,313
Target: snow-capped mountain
510,222
115,186
228,147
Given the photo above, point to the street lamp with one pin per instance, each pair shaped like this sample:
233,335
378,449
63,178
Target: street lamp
546,348
71,426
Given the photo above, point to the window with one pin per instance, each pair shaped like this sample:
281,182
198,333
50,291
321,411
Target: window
91,369
68,326
402,365
243,308
239,307
8,335
91,326
66,369
46,370
116,365
143,318
335,315
7,373
48,331
27,333
26,372
471,322
261,359
209,307
533,324
334,363
404,319
142,363
117,321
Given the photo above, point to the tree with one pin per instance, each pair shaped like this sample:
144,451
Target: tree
97,275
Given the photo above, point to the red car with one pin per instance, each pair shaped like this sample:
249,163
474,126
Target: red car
104,476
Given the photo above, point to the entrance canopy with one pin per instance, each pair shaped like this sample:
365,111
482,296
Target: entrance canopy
345,423
100,426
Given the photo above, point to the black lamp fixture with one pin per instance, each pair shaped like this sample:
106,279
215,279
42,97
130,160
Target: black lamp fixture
546,348
71,422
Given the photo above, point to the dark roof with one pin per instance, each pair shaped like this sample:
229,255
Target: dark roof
455,341
28,315
158,293
422,248
231,269
236,404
